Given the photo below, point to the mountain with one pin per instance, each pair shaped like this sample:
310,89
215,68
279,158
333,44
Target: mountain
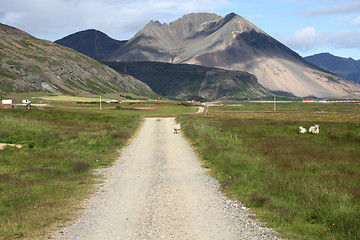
30,64
92,43
345,67
232,43
189,82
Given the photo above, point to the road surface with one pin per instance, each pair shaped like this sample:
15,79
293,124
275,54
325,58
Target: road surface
158,190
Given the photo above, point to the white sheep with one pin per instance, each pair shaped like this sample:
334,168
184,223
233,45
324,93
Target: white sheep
314,129
302,130
177,128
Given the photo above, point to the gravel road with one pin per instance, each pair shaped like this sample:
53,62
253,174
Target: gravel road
158,190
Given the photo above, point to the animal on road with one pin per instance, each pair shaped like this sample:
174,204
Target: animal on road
177,128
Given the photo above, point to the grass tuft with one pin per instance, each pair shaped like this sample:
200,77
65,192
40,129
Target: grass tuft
81,166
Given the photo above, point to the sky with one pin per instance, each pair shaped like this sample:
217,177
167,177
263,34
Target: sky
306,26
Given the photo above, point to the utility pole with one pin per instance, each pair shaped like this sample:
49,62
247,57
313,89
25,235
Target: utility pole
274,104
100,102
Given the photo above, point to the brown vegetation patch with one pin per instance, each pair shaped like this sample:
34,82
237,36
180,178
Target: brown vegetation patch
121,135
81,166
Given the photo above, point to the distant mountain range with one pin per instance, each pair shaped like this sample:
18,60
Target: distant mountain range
344,67
231,43
30,64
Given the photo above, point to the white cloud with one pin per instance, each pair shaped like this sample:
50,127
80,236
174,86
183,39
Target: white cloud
118,18
341,19
352,7
306,39
345,39
356,21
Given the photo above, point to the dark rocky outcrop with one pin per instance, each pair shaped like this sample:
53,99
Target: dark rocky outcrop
193,82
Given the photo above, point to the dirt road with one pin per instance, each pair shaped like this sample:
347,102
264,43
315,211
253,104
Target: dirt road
158,190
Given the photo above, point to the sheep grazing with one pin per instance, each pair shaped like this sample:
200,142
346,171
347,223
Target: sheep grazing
314,129
302,130
177,128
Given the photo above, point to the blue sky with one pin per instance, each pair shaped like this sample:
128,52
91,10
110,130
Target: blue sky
306,26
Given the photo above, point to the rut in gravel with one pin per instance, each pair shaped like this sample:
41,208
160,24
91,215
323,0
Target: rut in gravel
158,190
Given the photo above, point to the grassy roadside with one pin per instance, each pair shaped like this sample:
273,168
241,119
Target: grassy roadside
53,169
42,182
305,186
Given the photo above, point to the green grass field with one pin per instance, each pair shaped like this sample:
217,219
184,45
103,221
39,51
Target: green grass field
305,186
45,180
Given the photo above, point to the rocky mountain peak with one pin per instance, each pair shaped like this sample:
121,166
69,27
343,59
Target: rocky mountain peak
194,33
195,19
232,43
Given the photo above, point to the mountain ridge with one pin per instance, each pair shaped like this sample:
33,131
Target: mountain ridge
189,82
345,67
232,43
30,64
92,43
168,41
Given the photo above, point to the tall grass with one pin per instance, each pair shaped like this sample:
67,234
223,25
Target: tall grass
306,186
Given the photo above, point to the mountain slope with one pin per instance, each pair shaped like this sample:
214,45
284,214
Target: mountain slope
345,67
92,43
232,43
188,82
30,64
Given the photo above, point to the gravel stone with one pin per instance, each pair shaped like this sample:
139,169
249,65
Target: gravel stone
158,190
